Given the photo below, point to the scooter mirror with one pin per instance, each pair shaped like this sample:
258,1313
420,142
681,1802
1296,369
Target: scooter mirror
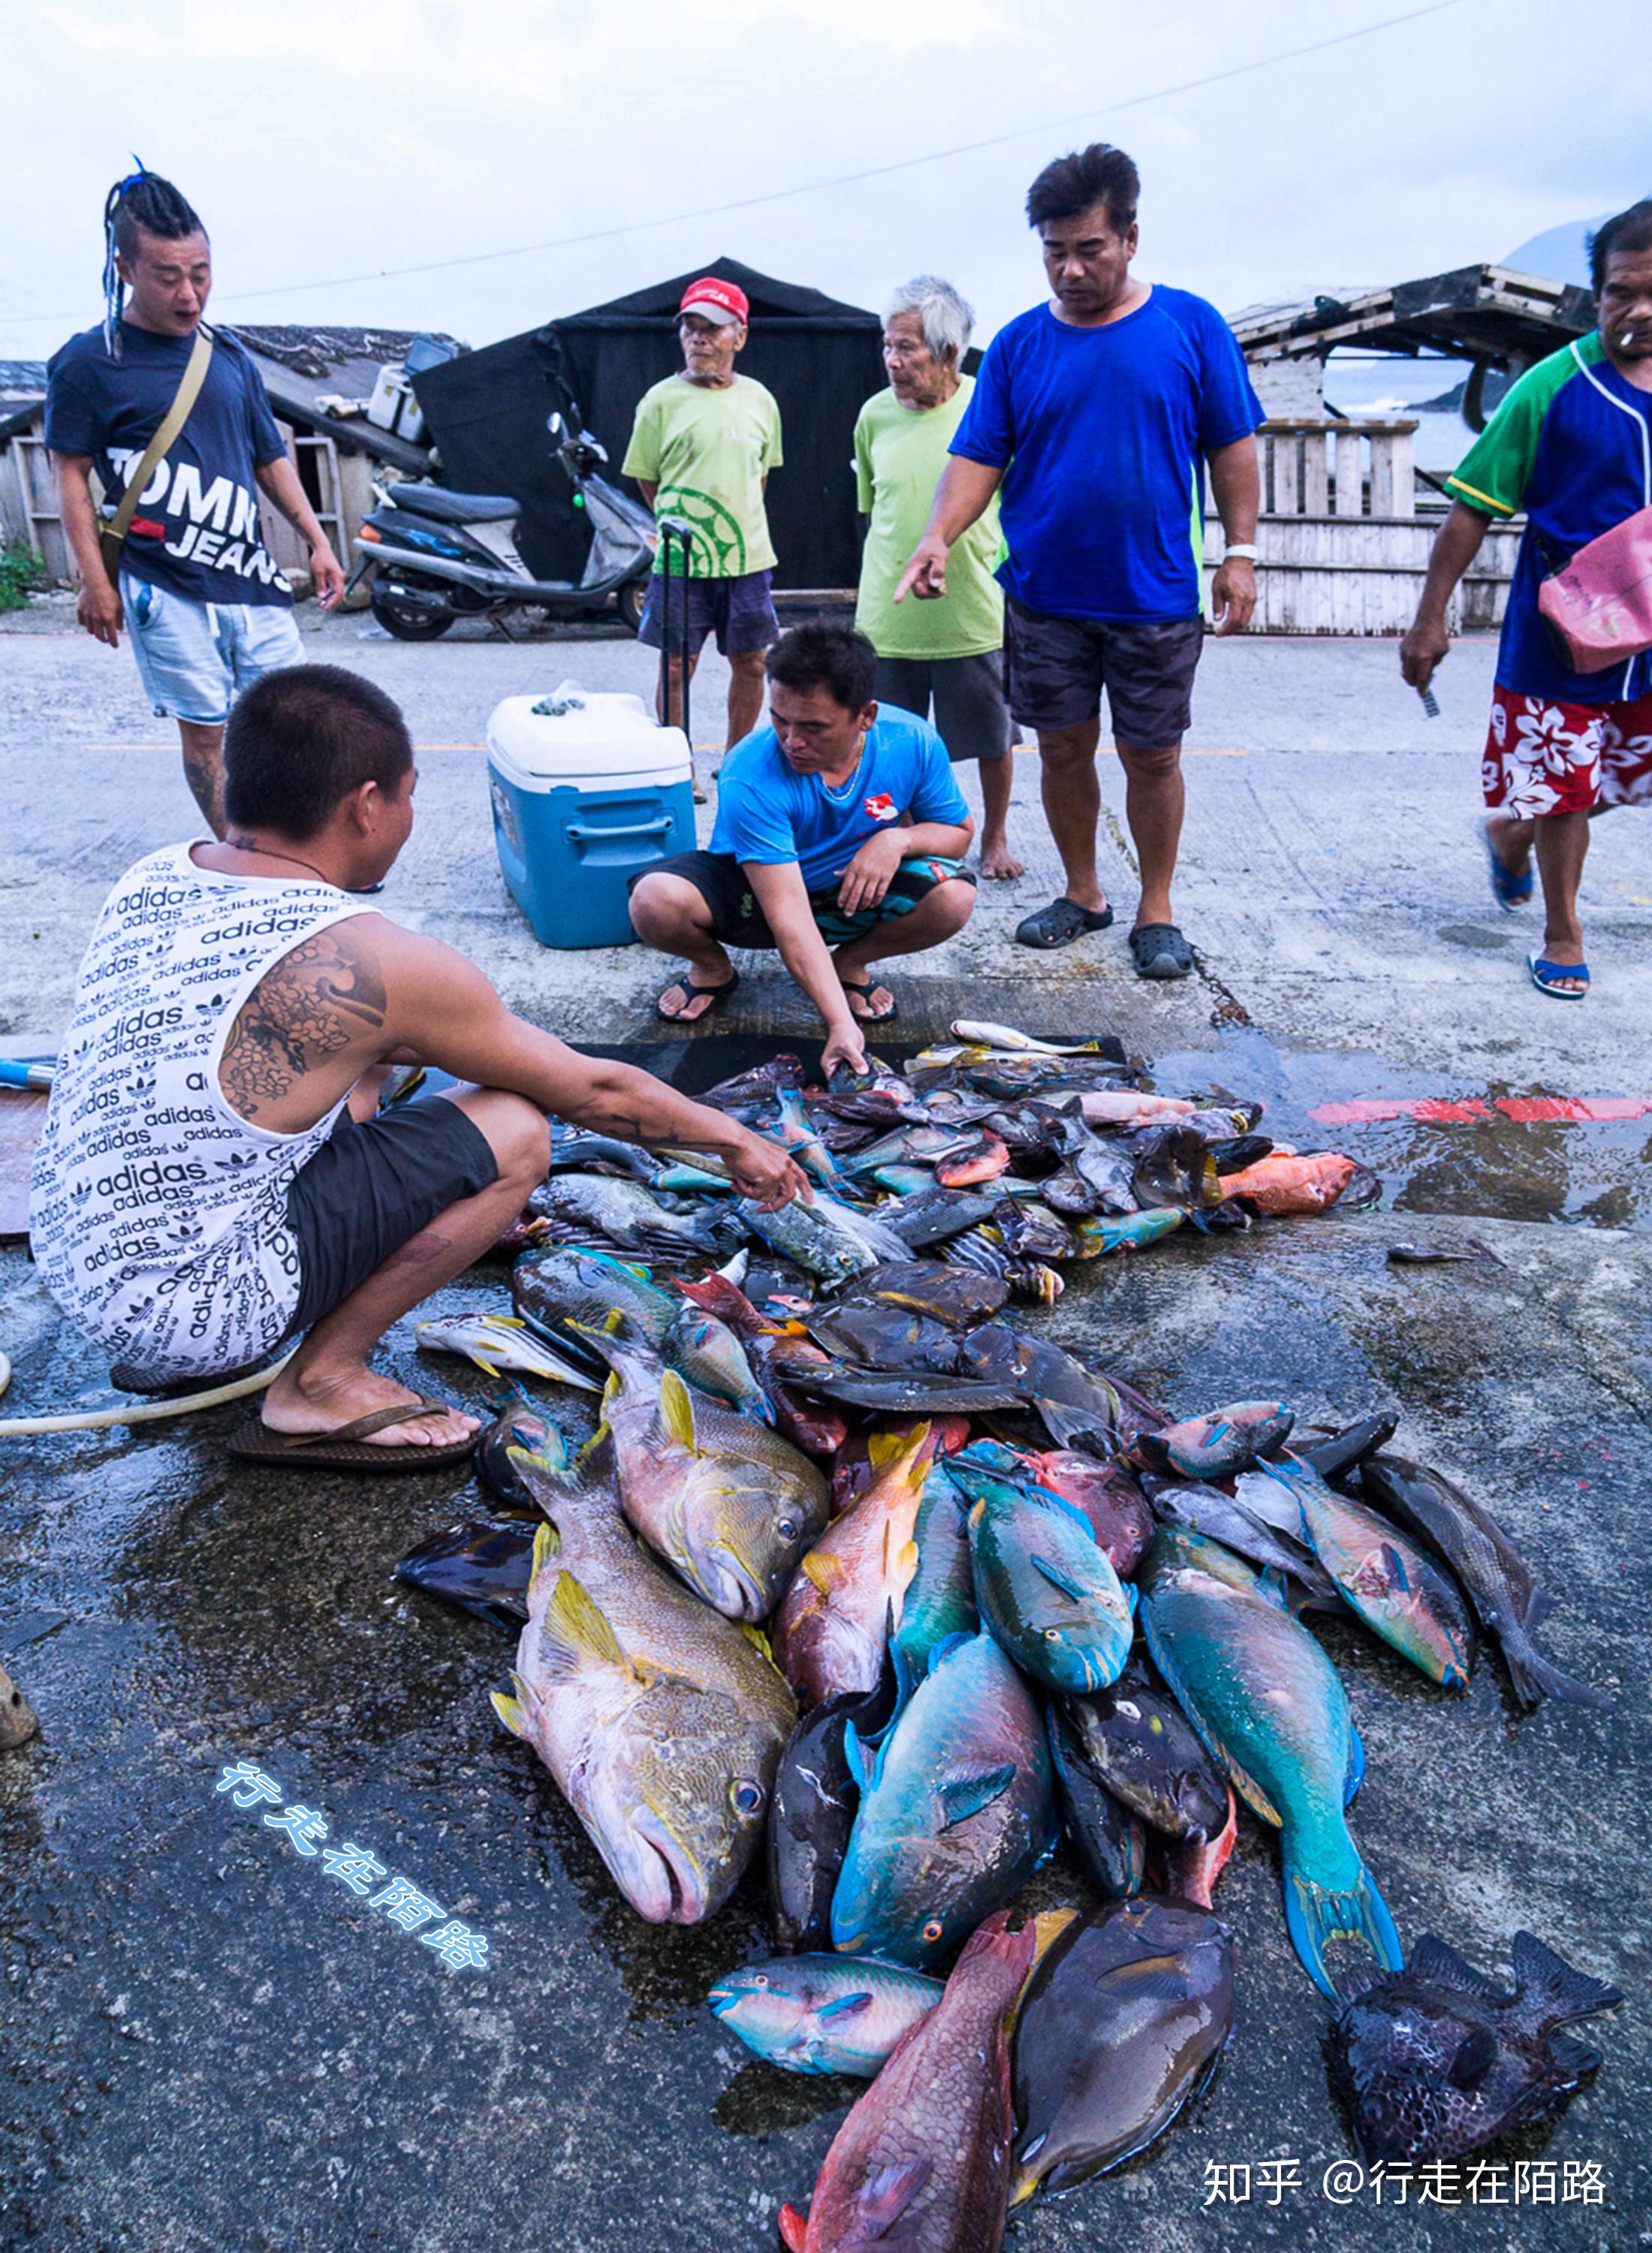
554,424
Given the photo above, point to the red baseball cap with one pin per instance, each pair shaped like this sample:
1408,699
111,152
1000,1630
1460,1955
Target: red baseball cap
721,302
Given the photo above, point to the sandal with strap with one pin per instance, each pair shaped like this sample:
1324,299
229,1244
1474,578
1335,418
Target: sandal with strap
1544,973
1506,888
872,1016
719,995
346,1449
1061,922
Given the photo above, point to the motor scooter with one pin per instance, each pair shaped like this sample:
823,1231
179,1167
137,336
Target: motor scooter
437,556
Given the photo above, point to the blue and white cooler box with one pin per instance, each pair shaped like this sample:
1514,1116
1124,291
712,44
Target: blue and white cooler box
587,791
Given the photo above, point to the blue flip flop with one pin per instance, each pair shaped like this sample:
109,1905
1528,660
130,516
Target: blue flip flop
1543,974
1508,889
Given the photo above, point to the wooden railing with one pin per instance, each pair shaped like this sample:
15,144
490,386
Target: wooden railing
1369,473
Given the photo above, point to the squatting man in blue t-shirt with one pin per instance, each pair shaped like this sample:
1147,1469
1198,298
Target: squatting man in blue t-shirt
208,608
1091,418
839,840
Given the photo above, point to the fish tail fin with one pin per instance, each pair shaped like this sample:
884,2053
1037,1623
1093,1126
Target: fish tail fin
1316,1915
1536,1677
794,2229
1552,1990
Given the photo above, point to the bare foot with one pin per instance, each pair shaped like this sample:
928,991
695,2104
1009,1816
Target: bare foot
997,860
317,1402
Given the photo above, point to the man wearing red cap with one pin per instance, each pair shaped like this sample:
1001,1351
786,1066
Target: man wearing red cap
701,448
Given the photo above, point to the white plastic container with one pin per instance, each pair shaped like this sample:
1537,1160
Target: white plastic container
393,407
587,791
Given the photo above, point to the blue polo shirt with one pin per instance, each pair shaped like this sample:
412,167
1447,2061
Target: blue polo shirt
1100,434
769,814
1571,444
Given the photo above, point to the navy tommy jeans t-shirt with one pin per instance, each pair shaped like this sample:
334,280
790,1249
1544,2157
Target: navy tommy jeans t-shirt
1100,433
768,814
196,532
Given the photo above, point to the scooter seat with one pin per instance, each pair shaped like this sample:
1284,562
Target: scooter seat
454,507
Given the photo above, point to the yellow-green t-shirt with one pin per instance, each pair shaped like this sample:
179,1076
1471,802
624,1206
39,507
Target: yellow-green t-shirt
899,455
708,452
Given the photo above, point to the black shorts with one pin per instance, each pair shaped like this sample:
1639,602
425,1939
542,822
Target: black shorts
372,1185
736,919
971,716
1058,668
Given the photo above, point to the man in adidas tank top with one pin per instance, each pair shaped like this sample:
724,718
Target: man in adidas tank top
214,1180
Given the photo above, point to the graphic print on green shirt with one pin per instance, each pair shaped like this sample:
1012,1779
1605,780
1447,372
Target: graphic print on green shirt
899,455
708,452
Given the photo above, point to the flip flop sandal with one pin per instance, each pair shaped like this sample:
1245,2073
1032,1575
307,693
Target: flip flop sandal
872,1017
1061,922
719,994
1544,973
1508,889
1160,950
346,1450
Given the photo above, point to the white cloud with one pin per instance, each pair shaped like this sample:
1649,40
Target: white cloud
322,139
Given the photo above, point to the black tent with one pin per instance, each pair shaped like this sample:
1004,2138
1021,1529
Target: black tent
486,412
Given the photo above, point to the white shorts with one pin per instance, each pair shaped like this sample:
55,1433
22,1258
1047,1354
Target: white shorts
195,657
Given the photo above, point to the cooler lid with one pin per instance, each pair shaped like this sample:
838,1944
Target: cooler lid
584,735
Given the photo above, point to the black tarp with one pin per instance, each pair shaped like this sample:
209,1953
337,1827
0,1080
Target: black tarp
821,360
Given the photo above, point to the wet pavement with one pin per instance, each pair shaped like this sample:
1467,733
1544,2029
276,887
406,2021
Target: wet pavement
214,2045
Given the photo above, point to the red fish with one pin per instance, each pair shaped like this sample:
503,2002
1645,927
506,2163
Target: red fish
1282,1185
1111,1498
923,2162
1187,1868
985,1157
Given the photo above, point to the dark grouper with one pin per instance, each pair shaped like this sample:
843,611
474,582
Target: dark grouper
1438,2060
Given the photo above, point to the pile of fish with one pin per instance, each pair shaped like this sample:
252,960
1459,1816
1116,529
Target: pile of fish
864,1580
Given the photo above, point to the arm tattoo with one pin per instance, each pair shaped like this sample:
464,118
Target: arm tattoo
316,1000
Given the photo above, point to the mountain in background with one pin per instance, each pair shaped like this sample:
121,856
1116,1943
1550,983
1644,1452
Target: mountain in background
1560,253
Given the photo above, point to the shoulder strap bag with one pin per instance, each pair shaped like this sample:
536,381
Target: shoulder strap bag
112,536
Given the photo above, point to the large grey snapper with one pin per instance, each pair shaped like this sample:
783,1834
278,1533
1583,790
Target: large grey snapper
621,1212
660,1721
727,1503
827,1238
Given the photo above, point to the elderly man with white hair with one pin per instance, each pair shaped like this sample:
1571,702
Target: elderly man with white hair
946,653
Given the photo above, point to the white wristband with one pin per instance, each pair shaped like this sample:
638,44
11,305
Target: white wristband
1240,548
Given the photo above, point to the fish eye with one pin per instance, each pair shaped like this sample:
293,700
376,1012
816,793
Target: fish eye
760,1979
933,1929
748,1798
785,1529
1052,1634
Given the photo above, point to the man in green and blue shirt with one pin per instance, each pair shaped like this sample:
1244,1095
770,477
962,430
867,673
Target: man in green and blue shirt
946,655
1571,445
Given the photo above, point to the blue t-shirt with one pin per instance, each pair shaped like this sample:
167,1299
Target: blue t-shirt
195,533
769,814
1100,434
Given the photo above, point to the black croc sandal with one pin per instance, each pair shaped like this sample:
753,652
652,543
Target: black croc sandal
1160,950
1061,922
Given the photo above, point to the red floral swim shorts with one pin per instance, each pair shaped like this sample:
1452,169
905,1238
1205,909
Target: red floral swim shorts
1545,757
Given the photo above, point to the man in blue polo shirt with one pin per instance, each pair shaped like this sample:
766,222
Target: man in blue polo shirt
1092,417
839,841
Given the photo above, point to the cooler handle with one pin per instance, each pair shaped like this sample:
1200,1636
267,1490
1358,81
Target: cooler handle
578,831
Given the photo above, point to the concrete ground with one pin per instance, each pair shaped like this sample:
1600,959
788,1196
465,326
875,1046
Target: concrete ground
214,2045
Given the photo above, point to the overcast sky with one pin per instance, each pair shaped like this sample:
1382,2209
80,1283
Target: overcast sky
329,138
